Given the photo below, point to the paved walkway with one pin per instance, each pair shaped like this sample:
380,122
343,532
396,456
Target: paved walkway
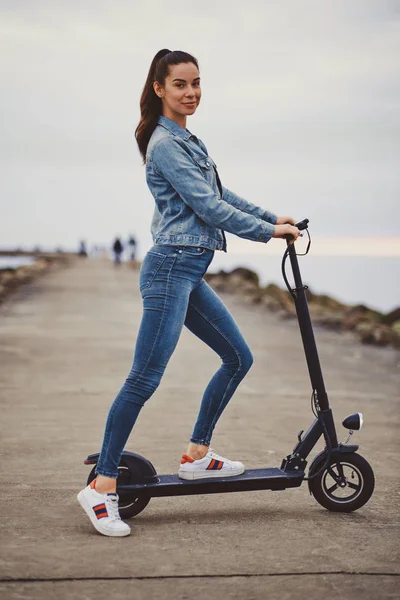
66,344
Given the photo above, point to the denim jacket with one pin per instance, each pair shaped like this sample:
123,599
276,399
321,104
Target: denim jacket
189,209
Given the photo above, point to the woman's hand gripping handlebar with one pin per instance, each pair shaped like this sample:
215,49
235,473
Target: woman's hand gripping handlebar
286,231
290,230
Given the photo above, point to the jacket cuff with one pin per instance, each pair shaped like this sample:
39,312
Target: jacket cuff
267,233
270,217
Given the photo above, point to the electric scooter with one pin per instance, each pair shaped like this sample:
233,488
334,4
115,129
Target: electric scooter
339,478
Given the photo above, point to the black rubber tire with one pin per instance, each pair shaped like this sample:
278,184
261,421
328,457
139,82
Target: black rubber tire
365,476
128,507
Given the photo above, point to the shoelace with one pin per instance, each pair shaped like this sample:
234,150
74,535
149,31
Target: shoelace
112,507
215,455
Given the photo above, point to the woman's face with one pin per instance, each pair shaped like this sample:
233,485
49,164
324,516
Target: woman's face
181,92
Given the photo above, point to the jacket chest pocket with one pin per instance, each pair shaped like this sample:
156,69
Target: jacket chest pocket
207,168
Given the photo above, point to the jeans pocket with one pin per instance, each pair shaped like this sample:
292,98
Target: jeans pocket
151,264
193,250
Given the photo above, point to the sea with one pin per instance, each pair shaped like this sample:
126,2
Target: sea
372,281
13,262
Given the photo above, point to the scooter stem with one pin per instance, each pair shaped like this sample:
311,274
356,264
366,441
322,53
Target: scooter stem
307,333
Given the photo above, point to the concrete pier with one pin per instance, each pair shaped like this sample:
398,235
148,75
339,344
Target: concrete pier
66,345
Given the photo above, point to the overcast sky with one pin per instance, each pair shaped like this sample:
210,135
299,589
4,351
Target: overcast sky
300,111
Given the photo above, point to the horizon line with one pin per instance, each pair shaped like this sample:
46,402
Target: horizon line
372,246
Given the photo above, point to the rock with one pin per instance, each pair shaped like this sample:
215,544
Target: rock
240,281
370,326
221,284
242,285
270,303
359,314
309,295
332,319
326,302
392,317
246,274
252,295
289,313
281,296
396,333
6,276
218,281
10,279
375,333
251,299
396,327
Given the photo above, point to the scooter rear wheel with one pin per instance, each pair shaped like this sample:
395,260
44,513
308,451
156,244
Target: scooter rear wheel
130,506
345,485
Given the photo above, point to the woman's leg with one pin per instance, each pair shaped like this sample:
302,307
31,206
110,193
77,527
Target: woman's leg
165,305
209,319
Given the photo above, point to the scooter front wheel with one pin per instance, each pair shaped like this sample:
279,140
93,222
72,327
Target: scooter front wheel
129,506
345,485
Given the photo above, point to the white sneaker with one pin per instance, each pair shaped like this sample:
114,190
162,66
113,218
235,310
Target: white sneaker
102,510
212,465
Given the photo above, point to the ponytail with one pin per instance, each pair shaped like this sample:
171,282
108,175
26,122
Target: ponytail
150,103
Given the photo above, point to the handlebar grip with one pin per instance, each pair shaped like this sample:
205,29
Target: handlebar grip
302,224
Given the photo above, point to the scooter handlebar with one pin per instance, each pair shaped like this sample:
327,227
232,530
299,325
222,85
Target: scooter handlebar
300,225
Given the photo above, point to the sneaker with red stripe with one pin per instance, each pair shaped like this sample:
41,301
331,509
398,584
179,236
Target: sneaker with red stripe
212,465
102,510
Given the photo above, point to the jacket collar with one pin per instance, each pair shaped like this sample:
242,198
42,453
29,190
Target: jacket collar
173,127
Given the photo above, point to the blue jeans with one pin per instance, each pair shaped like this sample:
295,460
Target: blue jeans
175,294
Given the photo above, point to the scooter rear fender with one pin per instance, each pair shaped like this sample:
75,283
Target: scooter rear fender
141,469
93,458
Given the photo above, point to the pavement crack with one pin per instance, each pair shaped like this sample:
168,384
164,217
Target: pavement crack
205,576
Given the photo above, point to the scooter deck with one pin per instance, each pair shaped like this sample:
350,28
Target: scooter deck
250,480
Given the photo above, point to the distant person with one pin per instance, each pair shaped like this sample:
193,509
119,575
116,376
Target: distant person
192,210
118,250
132,244
82,249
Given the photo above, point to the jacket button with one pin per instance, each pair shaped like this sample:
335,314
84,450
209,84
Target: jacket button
208,164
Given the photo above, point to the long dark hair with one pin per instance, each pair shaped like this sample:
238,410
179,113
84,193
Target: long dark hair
150,103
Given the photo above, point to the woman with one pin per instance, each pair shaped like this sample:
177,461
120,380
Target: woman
192,211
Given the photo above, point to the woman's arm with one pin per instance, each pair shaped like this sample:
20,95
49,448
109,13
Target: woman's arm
242,204
248,207
171,161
